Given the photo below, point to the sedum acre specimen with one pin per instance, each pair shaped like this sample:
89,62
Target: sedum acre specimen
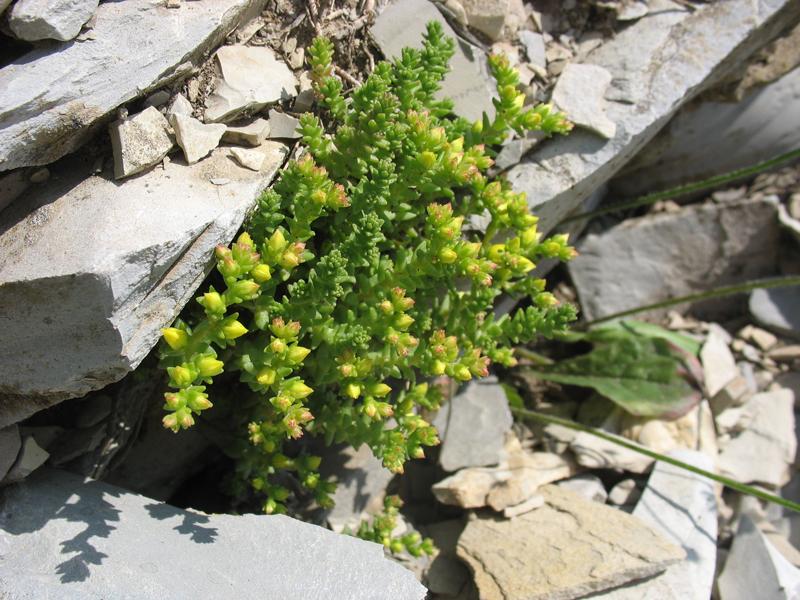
364,273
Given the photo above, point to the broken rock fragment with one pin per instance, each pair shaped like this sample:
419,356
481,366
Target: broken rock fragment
567,548
580,93
195,138
283,126
140,142
252,78
33,20
247,135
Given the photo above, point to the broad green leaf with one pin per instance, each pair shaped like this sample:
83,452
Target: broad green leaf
684,342
512,395
643,375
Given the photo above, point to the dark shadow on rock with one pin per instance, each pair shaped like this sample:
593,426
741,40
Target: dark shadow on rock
191,524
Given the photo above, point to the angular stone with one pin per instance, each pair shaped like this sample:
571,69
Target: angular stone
468,83
283,126
755,568
657,64
473,426
487,16
140,142
95,298
534,47
589,486
778,309
681,506
568,548
93,540
532,503
700,247
580,93
51,98
180,106
10,444
247,135
469,487
764,452
33,20
252,78
625,492
196,139
251,158
31,456
719,366
362,485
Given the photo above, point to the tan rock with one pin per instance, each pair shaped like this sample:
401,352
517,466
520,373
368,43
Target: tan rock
247,135
250,158
532,503
195,138
568,548
139,142
468,488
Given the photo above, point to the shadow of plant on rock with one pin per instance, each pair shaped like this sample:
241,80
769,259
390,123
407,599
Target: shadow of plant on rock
191,524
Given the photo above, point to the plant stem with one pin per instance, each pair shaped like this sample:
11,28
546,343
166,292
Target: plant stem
532,356
726,481
689,188
708,294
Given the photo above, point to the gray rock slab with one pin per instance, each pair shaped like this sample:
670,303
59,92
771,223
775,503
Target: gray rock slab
31,456
283,126
252,78
587,485
778,309
10,444
487,16
32,20
362,485
682,507
140,142
196,139
534,47
52,97
91,540
568,548
402,24
657,64
473,426
100,267
580,94
764,452
755,568
674,254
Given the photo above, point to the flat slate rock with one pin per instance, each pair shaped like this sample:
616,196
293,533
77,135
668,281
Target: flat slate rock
657,64
568,548
65,537
778,309
51,98
100,267
681,506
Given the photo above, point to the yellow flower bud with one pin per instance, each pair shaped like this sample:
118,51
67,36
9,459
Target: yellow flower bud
403,321
439,367
297,354
379,390
427,158
170,421
176,338
277,242
352,390
181,376
208,366
266,376
448,256
245,239
298,390
233,330
261,273
213,302
462,373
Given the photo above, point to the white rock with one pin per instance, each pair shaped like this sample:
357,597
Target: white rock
580,93
32,20
719,366
195,138
89,540
630,11
473,426
50,97
251,158
755,569
180,106
283,126
589,486
468,83
760,337
305,97
764,452
252,77
247,135
532,503
681,506
534,47
140,142
778,309
103,293
568,548
625,492
487,16
657,65
702,246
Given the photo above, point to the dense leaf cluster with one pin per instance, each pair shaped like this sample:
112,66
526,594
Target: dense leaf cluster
364,273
